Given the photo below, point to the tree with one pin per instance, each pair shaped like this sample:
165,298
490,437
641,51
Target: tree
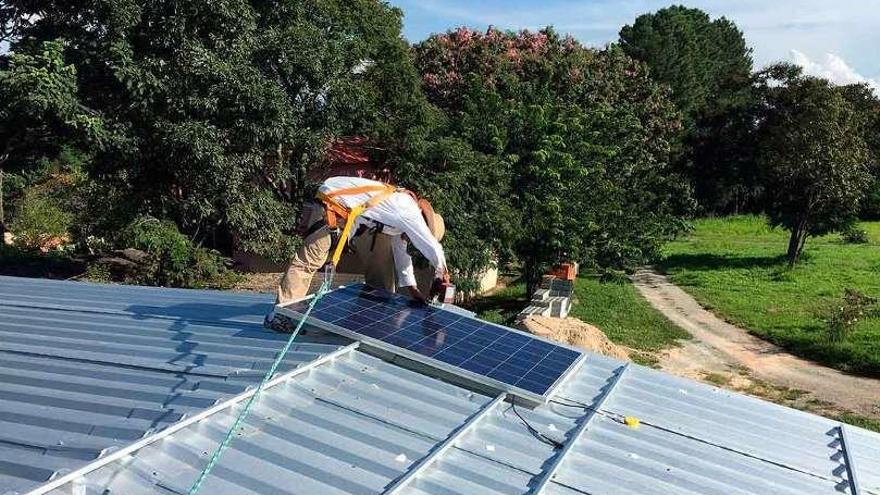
40,111
221,108
813,155
471,190
708,66
866,102
578,140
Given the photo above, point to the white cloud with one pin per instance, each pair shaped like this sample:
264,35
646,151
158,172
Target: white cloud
833,68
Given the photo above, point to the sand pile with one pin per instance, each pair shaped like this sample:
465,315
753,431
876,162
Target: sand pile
574,332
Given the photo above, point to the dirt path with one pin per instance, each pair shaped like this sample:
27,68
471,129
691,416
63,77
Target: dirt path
722,352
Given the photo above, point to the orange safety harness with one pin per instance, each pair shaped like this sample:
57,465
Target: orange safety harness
335,210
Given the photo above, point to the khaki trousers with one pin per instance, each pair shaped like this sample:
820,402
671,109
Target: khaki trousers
377,262
307,260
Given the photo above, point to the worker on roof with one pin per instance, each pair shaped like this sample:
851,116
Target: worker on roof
392,218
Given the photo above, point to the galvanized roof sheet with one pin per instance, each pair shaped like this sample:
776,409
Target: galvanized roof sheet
355,425
360,425
86,367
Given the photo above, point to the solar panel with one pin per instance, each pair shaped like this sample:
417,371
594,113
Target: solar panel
491,354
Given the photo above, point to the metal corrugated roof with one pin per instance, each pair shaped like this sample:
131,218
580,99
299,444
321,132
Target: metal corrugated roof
359,424
86,367
355,425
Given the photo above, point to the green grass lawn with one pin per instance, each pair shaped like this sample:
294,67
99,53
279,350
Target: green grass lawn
616,308
736,267
625,316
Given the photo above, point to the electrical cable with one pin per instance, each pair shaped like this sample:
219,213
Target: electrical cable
579,405
535,433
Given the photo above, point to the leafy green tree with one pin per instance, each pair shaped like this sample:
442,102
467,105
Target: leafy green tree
12,19
471,190
706,62
708,66
813,155
578,139
40,111
220,109
867,103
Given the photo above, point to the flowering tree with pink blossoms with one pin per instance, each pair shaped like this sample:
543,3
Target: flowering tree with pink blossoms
577,141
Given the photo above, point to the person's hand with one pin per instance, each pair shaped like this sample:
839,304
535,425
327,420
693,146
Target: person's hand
437,287
416,296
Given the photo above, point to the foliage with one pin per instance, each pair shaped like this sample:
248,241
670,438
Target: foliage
97,272
866,102
842,316
62,184
731,265
39,108
173,260
871,201
39,112
38,221
706,62
502,305
812,154
708,66
213,113
854,235
468,189
19,262
576,141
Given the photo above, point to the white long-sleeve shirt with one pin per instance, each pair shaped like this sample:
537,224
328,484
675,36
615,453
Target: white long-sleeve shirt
400,214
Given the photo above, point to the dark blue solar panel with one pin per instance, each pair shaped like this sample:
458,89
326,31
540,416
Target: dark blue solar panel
503,355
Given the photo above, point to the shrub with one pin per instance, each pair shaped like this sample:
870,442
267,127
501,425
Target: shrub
211,269
172,258
39,223
614,276
843,315
97,272
854,235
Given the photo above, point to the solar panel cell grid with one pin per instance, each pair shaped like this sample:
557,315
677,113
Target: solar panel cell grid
505,356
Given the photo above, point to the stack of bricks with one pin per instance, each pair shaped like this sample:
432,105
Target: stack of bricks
554,297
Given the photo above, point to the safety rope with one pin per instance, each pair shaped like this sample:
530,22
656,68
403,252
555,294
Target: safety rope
247,408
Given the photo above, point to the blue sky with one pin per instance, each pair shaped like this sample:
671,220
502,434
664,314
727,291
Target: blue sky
838,39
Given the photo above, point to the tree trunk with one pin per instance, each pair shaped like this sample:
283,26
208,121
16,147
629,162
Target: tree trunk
793,243
796,242
533,274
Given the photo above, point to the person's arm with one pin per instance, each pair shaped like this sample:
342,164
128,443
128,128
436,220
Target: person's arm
415,228
403,265
416,295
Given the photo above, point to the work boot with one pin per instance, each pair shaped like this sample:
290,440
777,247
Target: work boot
279,323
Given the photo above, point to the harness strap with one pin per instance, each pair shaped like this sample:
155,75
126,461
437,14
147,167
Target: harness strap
349,191
335,210
343,237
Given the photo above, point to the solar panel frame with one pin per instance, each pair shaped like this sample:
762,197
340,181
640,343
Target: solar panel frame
473,376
